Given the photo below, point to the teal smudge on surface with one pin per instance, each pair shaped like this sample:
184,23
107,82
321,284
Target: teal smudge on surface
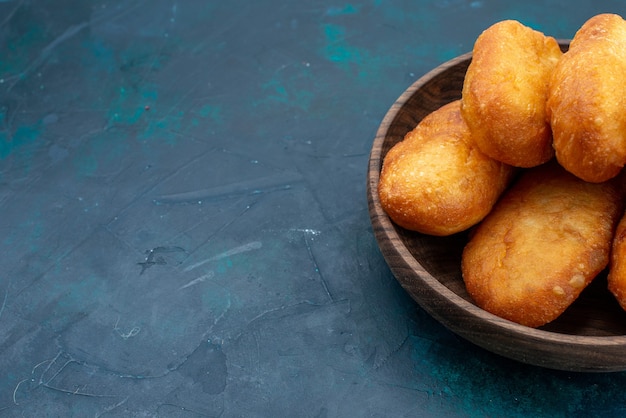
20,143
138,109
211,111
130,104
98,57
224,265
289,88
348,9
337,49
367,63
484,384
23,136
276,92
134,107
104,149
167,128
26,37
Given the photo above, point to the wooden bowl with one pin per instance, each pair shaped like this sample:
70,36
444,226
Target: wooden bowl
589,336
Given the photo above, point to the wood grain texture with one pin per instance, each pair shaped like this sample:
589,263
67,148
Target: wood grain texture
589,336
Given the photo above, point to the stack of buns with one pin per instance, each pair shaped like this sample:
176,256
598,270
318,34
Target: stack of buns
530,161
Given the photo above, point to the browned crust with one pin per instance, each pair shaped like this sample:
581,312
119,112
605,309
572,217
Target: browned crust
542,244
587,98
617,272
436,181
505,90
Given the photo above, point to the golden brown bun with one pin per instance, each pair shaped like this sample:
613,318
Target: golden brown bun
505,91
543,243
617,272
587,100
436,181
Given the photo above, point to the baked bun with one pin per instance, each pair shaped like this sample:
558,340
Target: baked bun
505,91
617,271
543,243
587,100
436,181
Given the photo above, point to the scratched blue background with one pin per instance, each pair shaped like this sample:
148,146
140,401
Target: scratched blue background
184,229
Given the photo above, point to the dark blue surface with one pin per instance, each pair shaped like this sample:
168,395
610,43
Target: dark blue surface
184,228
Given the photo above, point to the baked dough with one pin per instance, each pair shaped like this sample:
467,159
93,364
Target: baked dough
617,271
543,243
505,90
587,100
436,181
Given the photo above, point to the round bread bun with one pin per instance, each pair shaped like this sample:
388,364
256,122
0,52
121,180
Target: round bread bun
436,181
544,241
505,91
587,100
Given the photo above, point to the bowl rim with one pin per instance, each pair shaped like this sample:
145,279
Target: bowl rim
385,229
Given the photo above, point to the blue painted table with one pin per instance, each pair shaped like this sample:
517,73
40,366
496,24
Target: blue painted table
184,228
